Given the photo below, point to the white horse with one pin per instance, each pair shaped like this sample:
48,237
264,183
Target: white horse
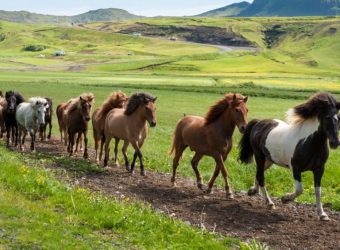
30,117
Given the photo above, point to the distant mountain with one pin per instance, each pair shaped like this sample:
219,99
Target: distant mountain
229,10
292,8
90,16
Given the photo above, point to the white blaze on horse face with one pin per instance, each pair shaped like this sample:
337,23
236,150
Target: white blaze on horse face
336,117
283,139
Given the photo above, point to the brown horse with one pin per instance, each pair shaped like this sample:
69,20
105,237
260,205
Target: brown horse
130,125
115,100
60,111
211,136
76,118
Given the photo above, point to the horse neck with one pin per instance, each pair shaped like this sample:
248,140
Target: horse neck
138,117
225,125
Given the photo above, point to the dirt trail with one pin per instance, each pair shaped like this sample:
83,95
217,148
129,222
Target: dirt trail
292,226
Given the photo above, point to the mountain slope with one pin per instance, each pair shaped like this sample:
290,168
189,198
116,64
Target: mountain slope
229,10
292,8
90,16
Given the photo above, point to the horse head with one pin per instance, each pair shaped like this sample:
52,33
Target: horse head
121,99
11,101
150,110
239,111
85,104
329,120
39,105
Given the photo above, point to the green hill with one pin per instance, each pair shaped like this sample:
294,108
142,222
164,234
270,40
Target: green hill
90,16
292,8
229,10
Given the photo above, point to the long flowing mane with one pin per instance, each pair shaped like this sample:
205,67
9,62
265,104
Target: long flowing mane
216,110
311,108
33,100
135,100
110,103
74,103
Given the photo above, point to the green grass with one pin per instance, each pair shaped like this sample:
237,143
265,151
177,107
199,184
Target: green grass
37,211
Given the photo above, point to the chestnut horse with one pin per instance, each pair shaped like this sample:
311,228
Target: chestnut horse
211,136
76,118
115,100
130,125
60,111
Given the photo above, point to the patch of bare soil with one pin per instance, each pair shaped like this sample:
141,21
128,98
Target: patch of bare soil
290,226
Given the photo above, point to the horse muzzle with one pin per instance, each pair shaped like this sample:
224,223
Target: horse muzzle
153,124
242,128
334,144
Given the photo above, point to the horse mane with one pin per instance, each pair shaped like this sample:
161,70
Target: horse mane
110,103
137,99
17,95
315,105
216,110
33,100
74,103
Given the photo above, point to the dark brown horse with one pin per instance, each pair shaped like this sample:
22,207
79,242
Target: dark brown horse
48,120
211,136
115,100
76,119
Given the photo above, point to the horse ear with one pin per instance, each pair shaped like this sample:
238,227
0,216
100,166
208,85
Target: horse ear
81,98
154,99
1,95
234,97
245,99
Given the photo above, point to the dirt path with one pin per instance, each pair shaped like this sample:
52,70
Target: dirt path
292,226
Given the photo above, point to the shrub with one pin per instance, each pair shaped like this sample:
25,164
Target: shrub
34,48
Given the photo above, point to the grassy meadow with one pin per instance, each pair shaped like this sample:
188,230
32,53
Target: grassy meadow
187,78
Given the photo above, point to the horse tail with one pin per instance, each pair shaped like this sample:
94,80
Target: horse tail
246,150
177,139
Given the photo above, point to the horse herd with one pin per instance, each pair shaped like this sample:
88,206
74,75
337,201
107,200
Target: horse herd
299,144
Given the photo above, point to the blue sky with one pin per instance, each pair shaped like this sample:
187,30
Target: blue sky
141,7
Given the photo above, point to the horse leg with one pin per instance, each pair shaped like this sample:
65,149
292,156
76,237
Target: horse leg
71,137
8,135
32,134
86,154
50,130
126,159
116,151
318,173
212,179
220,163
298,188
255,189
13,135
107,151
102,142
175,162
133,163
194,163
260,168
140,156
20,142
96,142
77,141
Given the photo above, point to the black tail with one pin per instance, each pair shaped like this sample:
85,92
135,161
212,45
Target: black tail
246,151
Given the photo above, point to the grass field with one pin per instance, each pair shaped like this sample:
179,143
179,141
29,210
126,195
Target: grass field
187,78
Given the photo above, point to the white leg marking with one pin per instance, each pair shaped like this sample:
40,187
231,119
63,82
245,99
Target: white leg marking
321,212
291,196
267,198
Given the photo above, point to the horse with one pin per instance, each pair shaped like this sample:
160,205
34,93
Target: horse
48,120
300,145
77,116
115,100
30,117
211,136
60,111
3,105
13,99
130,125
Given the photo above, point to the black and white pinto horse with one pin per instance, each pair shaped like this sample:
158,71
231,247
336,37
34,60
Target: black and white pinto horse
300,144
13,99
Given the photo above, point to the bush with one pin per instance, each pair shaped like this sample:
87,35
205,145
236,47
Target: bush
34,48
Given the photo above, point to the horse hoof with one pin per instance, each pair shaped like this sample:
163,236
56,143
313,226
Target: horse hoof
208,191
107,168
132,172
142,173
86,156
127,167
324,217
271,206
286,199
230,196
252,192
200,186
